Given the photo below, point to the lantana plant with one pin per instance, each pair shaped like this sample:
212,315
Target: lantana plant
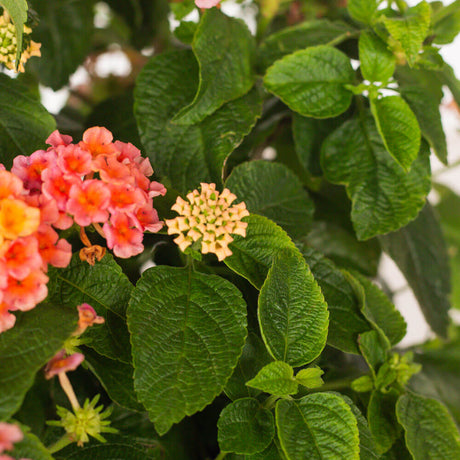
192,243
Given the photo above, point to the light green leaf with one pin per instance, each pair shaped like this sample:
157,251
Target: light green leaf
312,81
36,337
410,30
293,314
420,252
398,127
17,9
245,427
377,61
300,36
310,377
253,255
274,191
346,321
24,122
362,10
384,197
317,427
276,378
187,332
430,430
225,51
30,447
188,155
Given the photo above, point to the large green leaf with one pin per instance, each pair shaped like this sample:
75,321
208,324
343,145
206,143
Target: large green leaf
225,51
253,255
293,314
362,10
276,378
446,23
274,191
187,332
30,447
188,155
384,197
398,127
346,321
36,337
318,426
65,31
420,252
24,122
312,81
272,452
430,431
17,9
300,36
377,61
245,427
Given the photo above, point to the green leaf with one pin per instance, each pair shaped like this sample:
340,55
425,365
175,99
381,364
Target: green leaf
36,337
187,332
384,197
362,10
300,36
317,427
274,191
225,51
253,255
24,122
398,127
312,81
410,30
276,378
254,357
374,349
65,32
430,430
377,61
293,314
446,23
245,427
17,9
270,453
166,83
382,419
310,377
420,252
425,106
30,447
346,321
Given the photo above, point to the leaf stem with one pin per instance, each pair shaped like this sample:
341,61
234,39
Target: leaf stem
342,38
60,444
221,456
334,385
270,401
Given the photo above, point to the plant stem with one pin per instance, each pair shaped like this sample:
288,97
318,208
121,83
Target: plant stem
270,401
60,444
68,390
221,456
341,38
335,385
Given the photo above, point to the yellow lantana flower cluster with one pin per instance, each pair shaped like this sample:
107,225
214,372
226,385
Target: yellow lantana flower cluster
210,217
9,44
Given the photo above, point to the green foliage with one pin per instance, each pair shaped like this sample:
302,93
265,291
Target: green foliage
276,378
362,10
377,61
17,9
30,446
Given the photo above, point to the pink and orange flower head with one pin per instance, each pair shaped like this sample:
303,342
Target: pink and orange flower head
63,363
9,435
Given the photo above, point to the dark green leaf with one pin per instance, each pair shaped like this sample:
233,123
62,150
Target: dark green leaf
24,122
384,197
188,330
244,427
374,349
270,453
225,51
362,10
446,23
420,253
276,378
312,81
17,9
377,61
274,191
36,337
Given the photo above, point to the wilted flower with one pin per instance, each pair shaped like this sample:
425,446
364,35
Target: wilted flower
62,363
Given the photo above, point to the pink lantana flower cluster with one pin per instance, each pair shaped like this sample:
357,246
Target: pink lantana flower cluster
9,435
94,182
28,243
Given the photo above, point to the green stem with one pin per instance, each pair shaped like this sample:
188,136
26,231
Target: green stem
342,38
270,401
60,444
402,5
335,385
221,456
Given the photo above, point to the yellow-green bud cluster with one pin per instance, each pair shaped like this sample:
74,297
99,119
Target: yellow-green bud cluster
208,216
9,44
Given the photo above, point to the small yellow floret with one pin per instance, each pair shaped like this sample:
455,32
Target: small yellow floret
17,219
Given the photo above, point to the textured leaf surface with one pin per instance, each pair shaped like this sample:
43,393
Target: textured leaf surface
24,122
362,10
317,427
374,349
398,127
377,61
311,82
274,191
253,255
244,427
346,321
188,155
293,314
17,9
384,197
430,430
420,252
225,51
36,337
276,378
187,331
65,31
